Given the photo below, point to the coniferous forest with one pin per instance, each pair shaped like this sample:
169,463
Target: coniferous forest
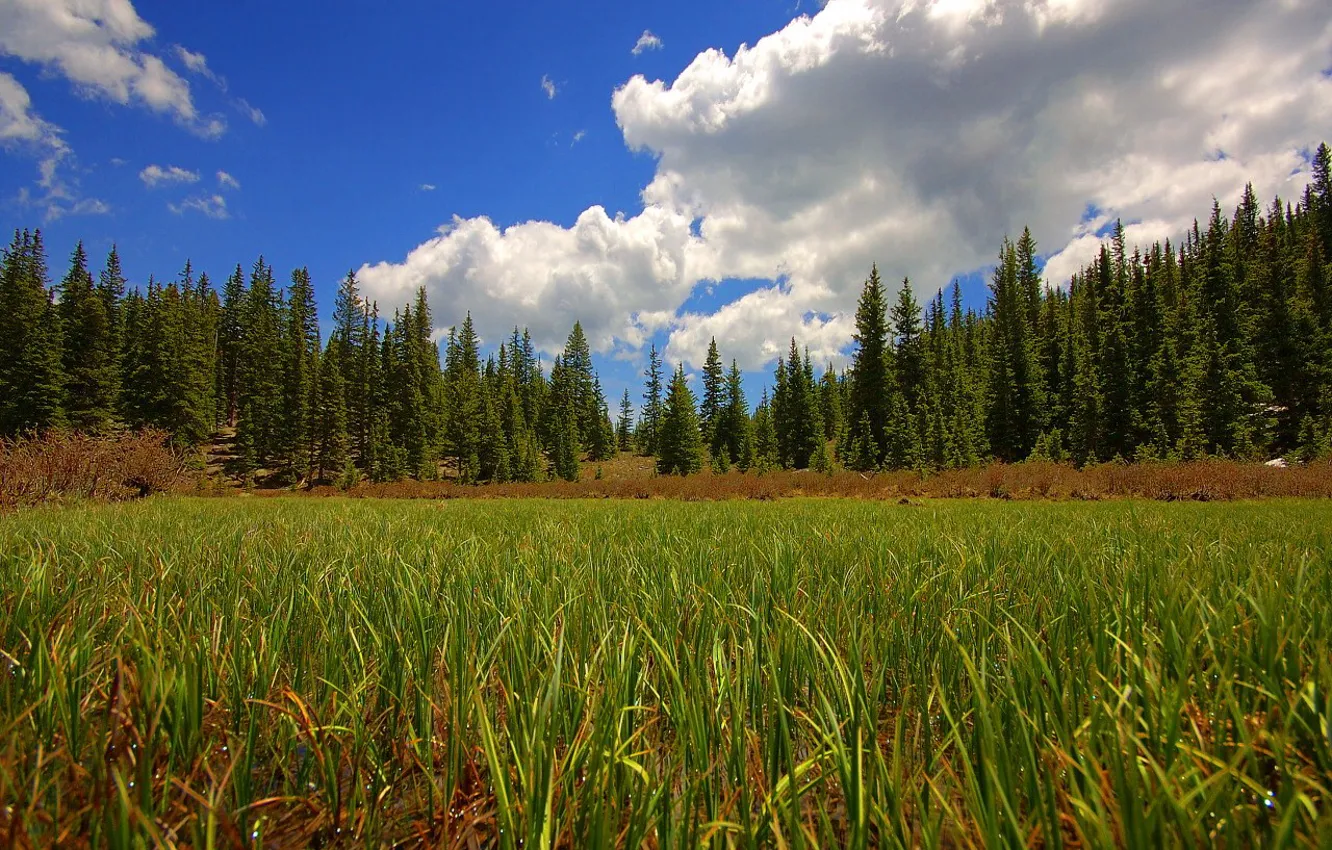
1220,345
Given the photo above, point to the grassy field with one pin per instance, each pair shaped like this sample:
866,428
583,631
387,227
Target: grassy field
297,672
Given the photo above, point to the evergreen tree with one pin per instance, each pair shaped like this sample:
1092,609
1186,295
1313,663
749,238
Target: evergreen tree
259,397
231,336
92,389
868,408
329,415
909,357
624,427
650,427
681,440
31,379
765,435
714,393
300,347
732,435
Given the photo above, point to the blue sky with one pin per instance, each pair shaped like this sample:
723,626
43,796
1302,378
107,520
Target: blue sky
684,191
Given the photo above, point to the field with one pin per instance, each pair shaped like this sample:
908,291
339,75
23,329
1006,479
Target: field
798,673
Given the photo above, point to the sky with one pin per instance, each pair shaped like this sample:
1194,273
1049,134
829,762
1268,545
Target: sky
664,173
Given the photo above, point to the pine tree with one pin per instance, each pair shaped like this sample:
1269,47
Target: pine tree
796,416
111,285
869,370
650,427
494,457
732,435
765,435
300,345
91,381
231,336
31,379
259,399
624,427
566,450
681,440
909,358
329,415
714,393
465,405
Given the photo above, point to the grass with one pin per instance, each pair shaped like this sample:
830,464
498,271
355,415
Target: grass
333,672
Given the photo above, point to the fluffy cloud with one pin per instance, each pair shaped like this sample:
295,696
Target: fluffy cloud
646,41
912,133
548,86
623,278
155,175
226,181
212,206
96,45
22,128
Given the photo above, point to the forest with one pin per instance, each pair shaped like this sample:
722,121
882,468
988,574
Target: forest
1218,346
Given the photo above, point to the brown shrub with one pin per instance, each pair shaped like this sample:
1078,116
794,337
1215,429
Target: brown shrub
1200,480
65,465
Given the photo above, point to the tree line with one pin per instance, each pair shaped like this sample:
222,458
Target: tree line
1219,346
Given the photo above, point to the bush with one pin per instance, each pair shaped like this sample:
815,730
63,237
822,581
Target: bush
66,465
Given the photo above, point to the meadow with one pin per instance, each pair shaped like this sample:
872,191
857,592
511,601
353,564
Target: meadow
536,673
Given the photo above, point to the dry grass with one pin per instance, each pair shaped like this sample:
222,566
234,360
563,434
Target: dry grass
630,478
62,465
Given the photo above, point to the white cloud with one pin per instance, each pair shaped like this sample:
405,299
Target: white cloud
252,112
212,206
621,277
646,41
578,137
96,45
22,129
17,120
226,181
155,175
198,63
548,86
428,187
908,132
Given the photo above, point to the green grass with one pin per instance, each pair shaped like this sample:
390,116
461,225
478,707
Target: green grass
592,674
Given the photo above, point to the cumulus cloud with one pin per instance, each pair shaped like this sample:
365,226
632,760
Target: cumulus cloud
622,277
97,46
212,206
914,133
646,41
548,86
226,181
428,187
155,175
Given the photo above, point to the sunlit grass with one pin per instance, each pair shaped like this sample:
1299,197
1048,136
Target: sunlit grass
586,674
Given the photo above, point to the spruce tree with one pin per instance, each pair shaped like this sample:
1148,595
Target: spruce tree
300,346
867,408
650,426
91,386
732,435
681,440
31,378
624,426
231,334
329,415
714,393
259,399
